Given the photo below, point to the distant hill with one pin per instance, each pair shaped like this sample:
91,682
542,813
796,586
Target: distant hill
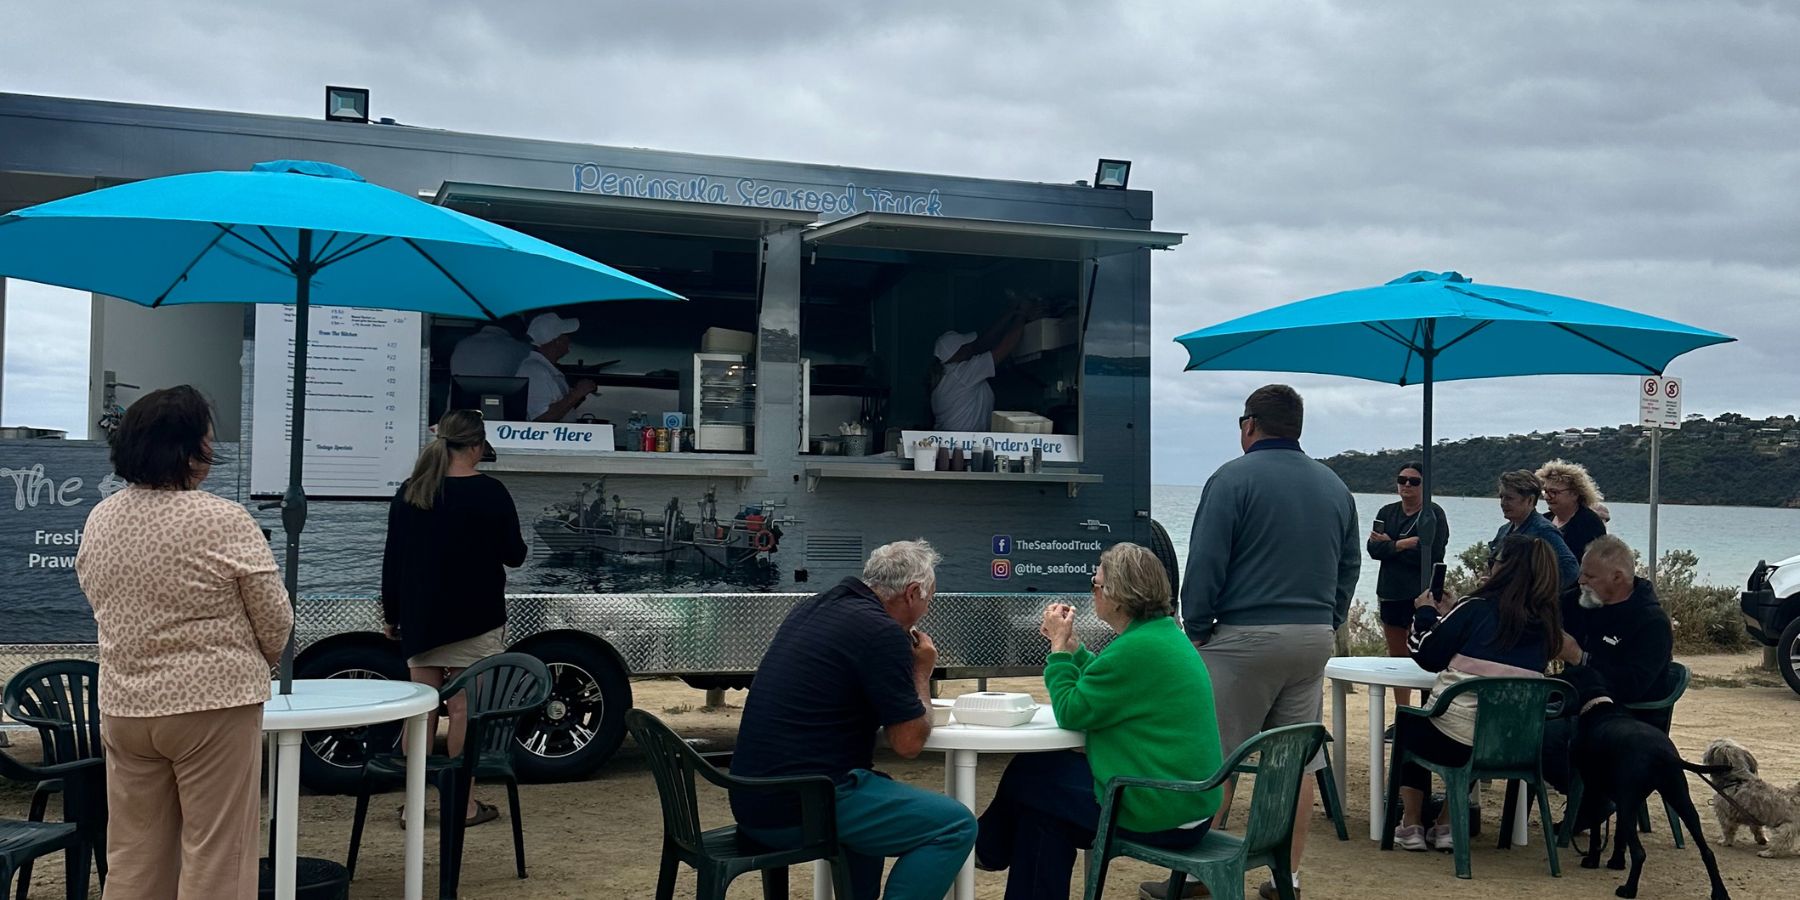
1728,461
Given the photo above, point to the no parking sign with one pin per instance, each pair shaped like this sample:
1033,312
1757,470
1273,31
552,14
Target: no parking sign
1659,402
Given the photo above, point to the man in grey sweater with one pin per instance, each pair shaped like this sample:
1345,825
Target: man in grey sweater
1272,565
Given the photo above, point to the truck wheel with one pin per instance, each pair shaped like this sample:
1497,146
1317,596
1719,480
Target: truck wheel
1787,653
583,722
331,761
1165,551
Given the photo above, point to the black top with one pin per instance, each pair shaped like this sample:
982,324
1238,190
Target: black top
1399,578
1472,631
442,575
1632,643
838,669
1578,533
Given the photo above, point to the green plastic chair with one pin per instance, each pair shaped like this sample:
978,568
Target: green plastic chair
1682,677
1328,794
1220,860
720,855
1509,746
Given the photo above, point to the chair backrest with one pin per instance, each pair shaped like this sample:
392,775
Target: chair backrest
1509,718
1282,755
673,765
501,690
61,699
1682,677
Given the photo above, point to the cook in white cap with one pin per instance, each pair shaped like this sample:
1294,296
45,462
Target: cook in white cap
551,398
963,400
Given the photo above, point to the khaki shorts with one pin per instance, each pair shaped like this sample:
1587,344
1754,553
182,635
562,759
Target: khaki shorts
1267,676
462,654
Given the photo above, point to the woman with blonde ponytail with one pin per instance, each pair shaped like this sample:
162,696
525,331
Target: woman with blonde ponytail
452,532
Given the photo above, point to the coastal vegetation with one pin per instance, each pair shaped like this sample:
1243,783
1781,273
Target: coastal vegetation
1731,460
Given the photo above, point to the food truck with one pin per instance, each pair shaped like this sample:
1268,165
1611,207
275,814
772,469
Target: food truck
739,450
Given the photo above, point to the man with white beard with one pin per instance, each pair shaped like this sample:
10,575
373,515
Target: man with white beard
1630,641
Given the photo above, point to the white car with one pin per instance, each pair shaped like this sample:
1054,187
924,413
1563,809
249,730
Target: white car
1771,607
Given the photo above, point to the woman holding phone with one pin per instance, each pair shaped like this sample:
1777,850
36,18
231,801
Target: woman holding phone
1394,541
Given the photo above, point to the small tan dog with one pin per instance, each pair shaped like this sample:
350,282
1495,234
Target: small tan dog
1753,802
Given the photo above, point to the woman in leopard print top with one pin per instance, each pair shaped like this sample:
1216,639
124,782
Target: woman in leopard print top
191,614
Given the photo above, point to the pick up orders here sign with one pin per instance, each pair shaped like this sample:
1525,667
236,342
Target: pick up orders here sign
1053,447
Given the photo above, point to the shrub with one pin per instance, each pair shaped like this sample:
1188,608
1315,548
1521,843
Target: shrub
1707,618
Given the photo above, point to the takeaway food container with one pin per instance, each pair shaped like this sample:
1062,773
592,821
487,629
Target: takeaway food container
994,708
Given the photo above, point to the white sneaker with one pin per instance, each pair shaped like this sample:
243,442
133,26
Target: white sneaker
1439,838
1411,837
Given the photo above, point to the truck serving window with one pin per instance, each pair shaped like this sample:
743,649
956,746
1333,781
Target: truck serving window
644,360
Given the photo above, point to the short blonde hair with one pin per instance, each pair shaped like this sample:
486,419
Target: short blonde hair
1576,476
1136,582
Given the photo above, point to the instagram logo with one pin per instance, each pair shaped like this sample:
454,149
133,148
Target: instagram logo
1002,569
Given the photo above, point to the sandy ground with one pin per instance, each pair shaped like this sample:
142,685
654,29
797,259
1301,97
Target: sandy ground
601,838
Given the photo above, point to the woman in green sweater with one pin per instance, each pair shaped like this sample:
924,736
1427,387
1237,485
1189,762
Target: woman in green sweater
1146,704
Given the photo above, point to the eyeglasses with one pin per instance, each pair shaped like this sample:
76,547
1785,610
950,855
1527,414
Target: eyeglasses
1244,418
1555,492
1409,482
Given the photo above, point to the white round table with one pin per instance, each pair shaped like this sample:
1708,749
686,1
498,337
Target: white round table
962,746
1380,673
329,703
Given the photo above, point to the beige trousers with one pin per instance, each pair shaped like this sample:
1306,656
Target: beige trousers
182,796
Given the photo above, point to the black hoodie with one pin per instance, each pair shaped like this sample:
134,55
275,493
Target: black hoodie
1632,643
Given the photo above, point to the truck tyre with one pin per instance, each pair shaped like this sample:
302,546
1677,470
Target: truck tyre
583,722
1787,654
331,761
1165,551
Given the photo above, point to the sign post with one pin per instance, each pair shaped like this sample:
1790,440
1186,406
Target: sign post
1659,407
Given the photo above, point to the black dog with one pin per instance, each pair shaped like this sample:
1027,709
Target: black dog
1622,759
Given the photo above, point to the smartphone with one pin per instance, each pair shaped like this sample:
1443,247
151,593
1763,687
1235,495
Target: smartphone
1437,580
1376,525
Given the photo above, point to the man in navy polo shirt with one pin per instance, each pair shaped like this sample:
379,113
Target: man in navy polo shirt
845,663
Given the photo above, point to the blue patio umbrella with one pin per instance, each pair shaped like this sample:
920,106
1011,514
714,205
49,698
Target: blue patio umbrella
1427,327
300,232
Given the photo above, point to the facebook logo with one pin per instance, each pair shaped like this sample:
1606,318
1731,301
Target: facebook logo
1003,545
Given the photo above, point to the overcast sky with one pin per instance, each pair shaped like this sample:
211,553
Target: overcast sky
1645,154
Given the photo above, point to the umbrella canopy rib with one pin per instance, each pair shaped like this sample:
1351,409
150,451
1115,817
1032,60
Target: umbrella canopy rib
1229,350
189,267
1648,369
361,243
452,278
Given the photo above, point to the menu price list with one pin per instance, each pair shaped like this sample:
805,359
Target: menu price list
362,400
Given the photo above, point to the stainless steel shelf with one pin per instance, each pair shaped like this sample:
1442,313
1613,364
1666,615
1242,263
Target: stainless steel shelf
1070,478
674,465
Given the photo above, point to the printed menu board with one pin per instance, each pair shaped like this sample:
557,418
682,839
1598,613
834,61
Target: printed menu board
362,400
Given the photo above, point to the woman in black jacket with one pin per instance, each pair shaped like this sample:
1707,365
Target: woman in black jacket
452,532
1571,495
1394,542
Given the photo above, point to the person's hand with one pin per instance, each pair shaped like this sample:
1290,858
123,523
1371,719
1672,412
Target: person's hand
582,388
1406,543
1425,599
1379,536
1571,650
1059,627
924,652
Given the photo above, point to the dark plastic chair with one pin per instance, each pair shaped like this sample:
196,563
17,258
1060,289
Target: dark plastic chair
502,689
720,855
1509,746
60,698
83,789
1682,677
1328,793
1220,860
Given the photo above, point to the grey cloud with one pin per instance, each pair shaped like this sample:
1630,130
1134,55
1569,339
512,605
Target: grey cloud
1638,153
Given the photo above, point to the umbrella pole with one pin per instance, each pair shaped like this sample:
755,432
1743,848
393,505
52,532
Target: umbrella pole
293,503
1427,530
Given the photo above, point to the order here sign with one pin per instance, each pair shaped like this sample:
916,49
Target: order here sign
1659,402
